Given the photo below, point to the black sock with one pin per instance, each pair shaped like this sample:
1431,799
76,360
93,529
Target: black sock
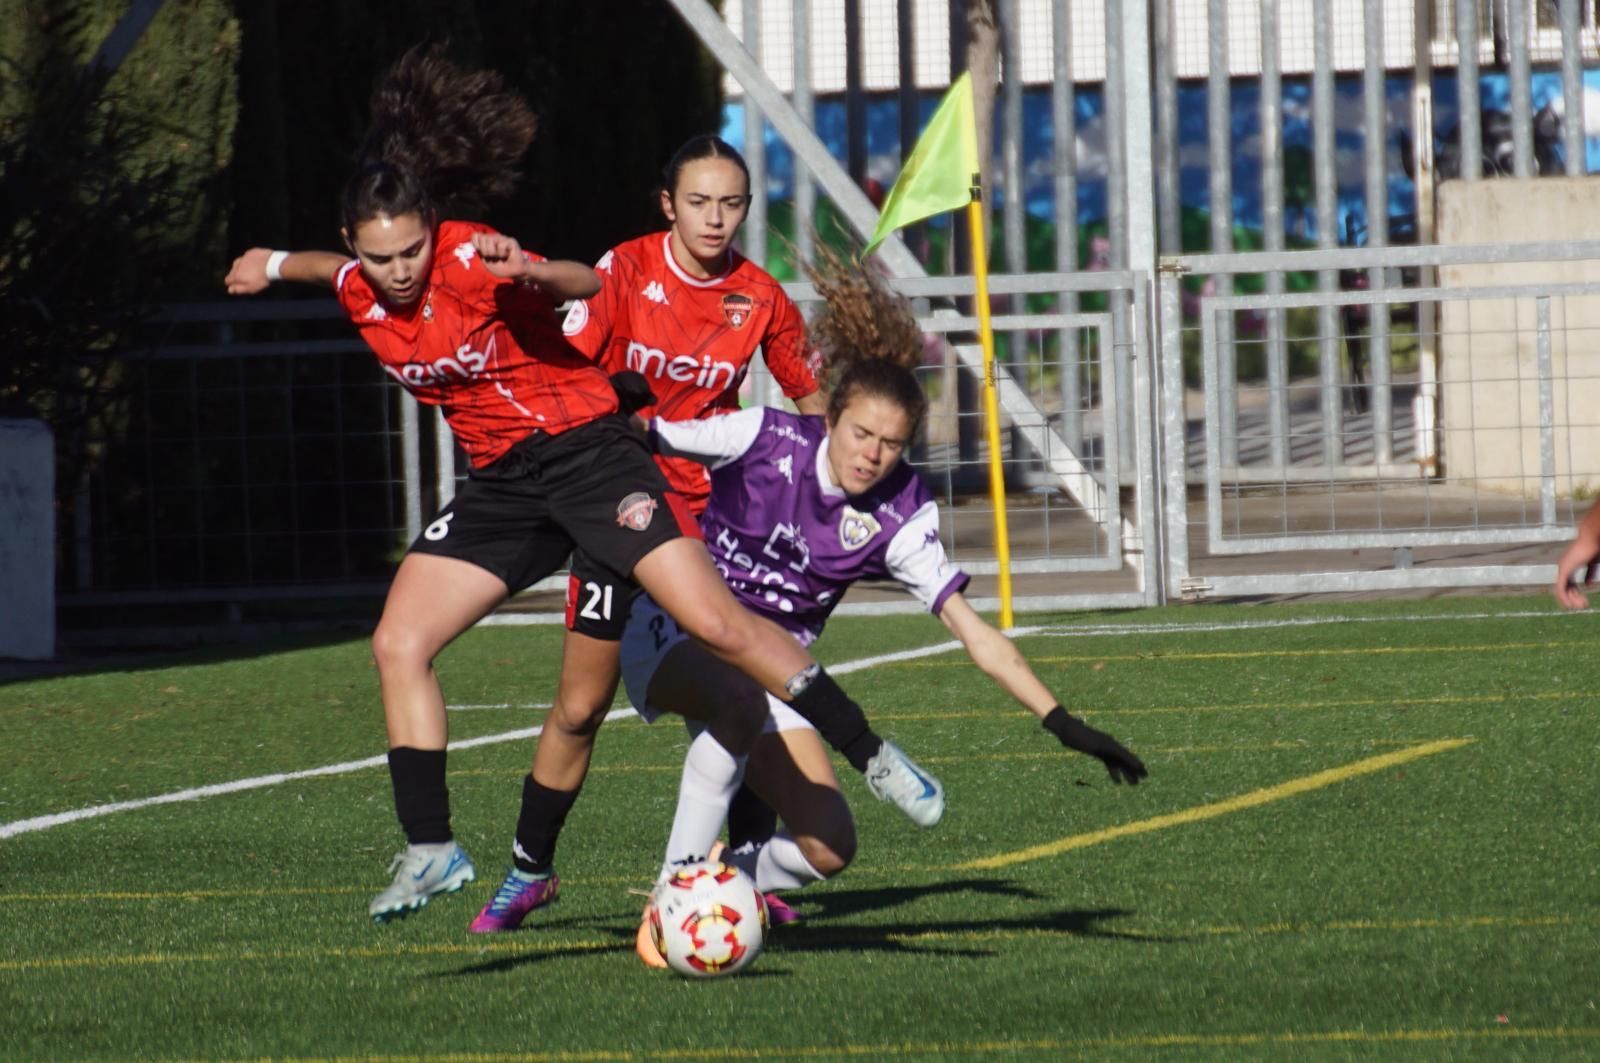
839,720
750,820
544,811
421,798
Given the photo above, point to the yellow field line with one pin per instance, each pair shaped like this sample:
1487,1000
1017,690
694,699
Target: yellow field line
1051,1046
1242,655
1198,813
1268,706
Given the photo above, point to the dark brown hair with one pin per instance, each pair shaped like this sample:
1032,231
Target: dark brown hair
868,336
439,139
704,146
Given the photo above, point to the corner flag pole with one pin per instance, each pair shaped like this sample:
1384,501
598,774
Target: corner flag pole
991,404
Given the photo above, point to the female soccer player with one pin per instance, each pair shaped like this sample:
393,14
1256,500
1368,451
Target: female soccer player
464,318
820,502
686,312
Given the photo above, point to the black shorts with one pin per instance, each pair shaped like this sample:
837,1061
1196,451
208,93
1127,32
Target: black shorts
595,486
597,598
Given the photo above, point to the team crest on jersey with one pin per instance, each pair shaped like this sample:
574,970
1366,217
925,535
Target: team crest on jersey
856,528
636,511
577,317
736,307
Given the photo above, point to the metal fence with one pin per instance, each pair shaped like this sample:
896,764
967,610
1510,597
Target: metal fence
1225,374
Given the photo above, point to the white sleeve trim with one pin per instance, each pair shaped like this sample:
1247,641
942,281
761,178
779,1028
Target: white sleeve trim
344,271
714,441
916,558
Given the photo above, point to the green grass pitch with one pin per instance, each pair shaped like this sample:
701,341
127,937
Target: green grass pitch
1370,830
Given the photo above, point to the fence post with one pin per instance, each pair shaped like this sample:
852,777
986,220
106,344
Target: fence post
27,540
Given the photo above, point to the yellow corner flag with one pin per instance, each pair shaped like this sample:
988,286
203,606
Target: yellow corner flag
938,175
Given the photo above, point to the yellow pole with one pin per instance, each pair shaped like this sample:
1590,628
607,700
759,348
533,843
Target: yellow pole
991,403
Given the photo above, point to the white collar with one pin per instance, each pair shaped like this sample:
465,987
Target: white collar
825,475
694,282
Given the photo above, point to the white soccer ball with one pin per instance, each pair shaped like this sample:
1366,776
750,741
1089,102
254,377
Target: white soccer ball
708,919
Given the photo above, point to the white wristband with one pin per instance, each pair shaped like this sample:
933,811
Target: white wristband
275,265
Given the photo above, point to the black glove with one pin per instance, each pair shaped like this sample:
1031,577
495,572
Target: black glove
633,391
1075,734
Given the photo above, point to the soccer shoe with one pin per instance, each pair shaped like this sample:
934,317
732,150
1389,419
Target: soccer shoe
893,776
778,912
644,943
421,871
518,895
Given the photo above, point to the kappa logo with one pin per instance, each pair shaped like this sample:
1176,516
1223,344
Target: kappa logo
736,307
605,262
636,511
466,253
376,313
655,293
856,528
785,465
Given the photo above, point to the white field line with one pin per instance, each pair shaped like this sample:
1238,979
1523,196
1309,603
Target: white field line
58,819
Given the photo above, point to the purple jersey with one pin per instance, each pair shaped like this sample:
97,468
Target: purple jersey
787,540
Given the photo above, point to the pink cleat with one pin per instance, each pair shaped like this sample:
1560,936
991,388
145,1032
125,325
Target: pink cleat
518,895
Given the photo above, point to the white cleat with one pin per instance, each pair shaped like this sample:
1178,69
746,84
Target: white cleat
892,776
420,873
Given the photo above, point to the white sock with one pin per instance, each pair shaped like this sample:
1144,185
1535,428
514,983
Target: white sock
780,865
711,775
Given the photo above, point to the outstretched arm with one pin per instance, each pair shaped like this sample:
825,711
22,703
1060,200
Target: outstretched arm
260,266
1578,564
560,278
999,659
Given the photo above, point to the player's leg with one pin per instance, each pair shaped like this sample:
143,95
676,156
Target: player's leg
433,599
596,608
790,770
683,582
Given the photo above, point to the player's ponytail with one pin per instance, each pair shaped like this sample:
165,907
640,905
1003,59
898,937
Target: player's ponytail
868,336
439,139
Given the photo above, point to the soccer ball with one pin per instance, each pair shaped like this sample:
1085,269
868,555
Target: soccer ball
708,919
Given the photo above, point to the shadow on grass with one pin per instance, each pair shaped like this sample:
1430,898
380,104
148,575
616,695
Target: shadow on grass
822,928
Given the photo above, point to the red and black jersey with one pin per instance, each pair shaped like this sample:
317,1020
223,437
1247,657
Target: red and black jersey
692,339
487,350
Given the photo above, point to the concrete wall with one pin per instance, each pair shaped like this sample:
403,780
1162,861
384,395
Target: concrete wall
1488,353
27,540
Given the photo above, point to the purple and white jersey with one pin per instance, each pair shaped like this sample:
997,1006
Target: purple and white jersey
787,540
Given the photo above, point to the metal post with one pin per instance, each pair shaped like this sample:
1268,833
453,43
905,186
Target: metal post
855,99
1012,217
1169,208
805,193
909,103
1064,123
1272,230
444,458
1324,162
1547,414
1469,124
754,237
1375,112
1219,156
411,463
1425,406
1521,92
1572,138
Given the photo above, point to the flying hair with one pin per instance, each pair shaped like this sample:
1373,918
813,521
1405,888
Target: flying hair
439,139
868,336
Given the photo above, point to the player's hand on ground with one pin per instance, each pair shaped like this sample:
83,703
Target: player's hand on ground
1122,765
249,272
501,254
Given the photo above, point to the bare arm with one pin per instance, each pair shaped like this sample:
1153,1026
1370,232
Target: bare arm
560,278
1578,561
995,656
815,403
249,273
992,652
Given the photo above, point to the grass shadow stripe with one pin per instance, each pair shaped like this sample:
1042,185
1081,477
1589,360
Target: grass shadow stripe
1199,813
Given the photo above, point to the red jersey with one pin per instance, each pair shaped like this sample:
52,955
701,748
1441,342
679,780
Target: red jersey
692,339
485,349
